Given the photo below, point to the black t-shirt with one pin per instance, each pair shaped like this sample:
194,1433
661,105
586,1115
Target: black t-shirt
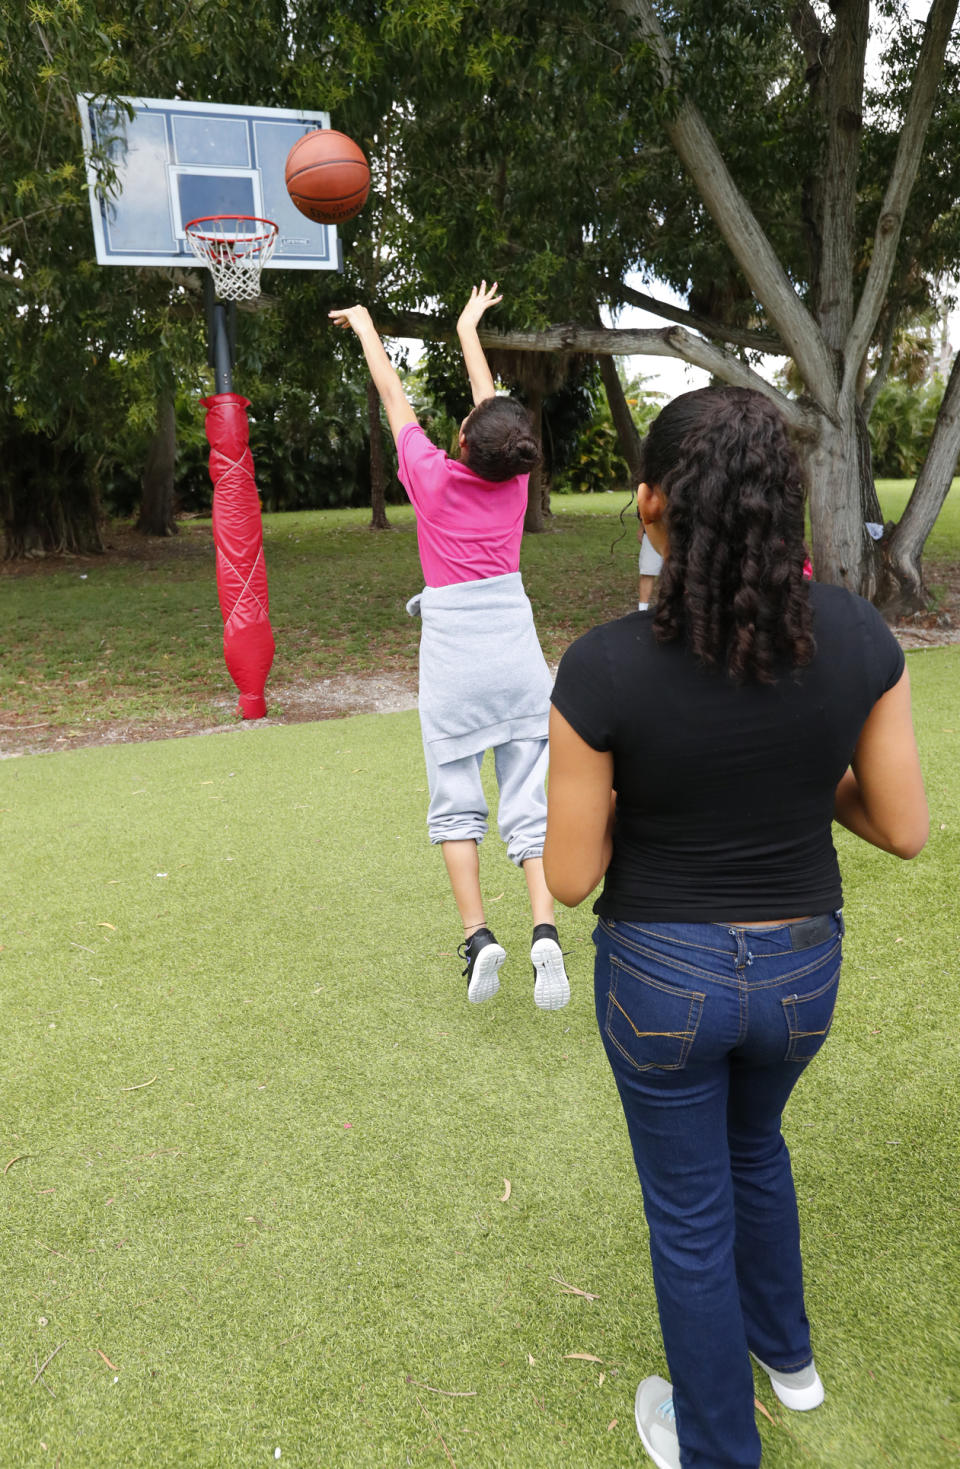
725,791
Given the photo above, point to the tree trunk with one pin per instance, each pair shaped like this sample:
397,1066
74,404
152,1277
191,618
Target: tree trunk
833,463
627,436
378,472
902,589
156,506
48,499
538,494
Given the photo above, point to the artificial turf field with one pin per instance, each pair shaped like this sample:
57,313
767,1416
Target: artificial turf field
256,1144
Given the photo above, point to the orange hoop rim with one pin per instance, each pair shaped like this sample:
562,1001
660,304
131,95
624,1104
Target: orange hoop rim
192,229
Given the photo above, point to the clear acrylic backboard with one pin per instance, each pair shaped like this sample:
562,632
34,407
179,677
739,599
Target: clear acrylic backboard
176,161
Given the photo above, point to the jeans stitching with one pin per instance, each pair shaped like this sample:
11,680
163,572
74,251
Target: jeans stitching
686,1037
615,927
675,963
790,1012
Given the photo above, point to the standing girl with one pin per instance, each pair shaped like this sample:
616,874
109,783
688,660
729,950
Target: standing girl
483,679
698,756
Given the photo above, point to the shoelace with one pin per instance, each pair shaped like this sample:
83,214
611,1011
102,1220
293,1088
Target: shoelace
462,950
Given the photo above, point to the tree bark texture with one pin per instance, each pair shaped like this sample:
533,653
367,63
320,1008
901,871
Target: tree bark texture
836,83
378,471
904,591
156,507
538,492
627,436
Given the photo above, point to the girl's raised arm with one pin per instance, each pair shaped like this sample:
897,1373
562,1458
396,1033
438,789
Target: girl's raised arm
481,379
398,408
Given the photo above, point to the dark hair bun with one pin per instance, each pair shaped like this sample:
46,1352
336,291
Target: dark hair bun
500,440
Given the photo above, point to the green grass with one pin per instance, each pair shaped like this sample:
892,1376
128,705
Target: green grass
261,1138
93,641
96,640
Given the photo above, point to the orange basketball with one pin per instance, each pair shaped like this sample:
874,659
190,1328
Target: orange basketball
328,177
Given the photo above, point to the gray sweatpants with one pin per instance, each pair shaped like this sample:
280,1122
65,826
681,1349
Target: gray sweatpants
458,807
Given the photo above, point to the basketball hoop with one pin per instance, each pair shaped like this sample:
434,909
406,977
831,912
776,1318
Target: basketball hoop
236,247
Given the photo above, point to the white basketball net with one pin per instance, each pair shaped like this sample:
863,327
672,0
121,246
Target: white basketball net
236,249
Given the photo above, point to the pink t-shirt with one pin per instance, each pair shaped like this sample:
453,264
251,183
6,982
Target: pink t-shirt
468,528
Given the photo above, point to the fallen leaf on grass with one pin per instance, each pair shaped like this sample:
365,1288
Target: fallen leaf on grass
450,1458
140,1084
531,1360
600,1379
573,1290
42,1368
506,1191
444,1392
612,1424
112,1365
18,1159
761,1409
581,1357
497,898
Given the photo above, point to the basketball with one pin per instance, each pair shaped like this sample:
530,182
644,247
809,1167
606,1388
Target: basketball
327,176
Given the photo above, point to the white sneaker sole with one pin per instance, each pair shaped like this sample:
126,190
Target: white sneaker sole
797,1399
551,990
484,981
651,1452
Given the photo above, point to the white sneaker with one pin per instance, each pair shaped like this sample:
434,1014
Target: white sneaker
551,988
656,1424
800,1391
483,957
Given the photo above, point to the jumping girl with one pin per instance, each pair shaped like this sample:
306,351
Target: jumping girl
483,679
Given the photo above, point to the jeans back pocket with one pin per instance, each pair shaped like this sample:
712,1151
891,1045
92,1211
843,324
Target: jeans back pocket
651,1022
809,1018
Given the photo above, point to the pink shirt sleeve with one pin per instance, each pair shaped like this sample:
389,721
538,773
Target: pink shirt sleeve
420,464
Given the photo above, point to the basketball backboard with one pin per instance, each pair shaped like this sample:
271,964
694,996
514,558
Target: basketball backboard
176,161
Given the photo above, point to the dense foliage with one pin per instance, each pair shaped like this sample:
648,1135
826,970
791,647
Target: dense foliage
507,141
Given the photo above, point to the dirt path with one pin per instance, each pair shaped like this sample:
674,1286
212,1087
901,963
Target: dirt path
356,693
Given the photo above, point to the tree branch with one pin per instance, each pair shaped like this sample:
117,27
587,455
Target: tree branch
872,390
697,150
740,336
672,341
923,93
809,35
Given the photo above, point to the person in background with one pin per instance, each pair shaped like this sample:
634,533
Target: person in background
650,561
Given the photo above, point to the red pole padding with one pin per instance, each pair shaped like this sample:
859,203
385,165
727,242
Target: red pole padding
238,535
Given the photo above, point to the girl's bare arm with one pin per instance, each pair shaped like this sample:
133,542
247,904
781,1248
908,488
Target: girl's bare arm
580,811
881,797
395,401
481,379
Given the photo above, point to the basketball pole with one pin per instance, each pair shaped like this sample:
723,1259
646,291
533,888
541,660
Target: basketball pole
221,336
248,645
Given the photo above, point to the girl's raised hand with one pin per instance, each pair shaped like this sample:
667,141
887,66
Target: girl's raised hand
481,297
357,317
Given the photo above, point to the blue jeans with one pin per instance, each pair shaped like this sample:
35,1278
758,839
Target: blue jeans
707,1027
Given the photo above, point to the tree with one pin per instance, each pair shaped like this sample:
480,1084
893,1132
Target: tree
801,258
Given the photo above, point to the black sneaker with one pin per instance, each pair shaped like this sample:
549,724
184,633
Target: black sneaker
551,989
483,957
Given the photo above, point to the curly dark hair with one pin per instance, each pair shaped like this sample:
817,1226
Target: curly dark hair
732,586
500,440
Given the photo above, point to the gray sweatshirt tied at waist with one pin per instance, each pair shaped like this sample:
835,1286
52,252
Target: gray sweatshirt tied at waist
483,676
